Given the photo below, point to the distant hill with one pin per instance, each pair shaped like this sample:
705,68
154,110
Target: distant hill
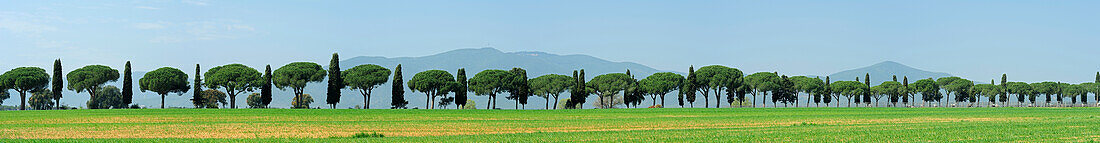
884,71
475,60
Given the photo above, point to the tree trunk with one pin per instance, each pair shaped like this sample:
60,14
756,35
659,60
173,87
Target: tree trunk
706,99
492,101
754,100
849,101
428,100
599,99
233,98
162,101
555,102
764,100
948,103
22,100
366,102
233,101
718,98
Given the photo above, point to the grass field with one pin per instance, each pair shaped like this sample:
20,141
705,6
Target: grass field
629,125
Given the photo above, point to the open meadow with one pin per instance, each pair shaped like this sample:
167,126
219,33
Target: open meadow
597,125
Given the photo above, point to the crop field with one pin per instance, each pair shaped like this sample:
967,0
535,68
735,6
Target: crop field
592,125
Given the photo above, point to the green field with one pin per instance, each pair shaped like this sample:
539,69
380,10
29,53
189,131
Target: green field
597,125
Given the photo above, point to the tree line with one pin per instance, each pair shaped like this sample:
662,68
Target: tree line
612,90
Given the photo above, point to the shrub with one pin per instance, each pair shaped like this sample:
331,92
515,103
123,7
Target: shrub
470,104
41,100
255,100
562,104
738,103
368,135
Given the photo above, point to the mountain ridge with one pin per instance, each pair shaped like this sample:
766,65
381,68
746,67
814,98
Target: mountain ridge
884,71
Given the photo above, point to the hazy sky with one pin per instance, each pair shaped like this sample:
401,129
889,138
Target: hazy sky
1029,40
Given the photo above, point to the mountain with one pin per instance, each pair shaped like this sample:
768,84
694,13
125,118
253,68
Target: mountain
884,71
476,60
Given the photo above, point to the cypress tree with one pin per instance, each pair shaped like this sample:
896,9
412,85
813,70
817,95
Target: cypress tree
905,83
335,82
196,96
636,93
1004,88
574,91
895,78
520,90
772,92
584,90
828,92
579,91
265,89
460,92
786,93
690,87
127,85
398,93
741,90
867,95
58,84
628,91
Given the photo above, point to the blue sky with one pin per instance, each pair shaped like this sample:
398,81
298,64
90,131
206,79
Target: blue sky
1029,40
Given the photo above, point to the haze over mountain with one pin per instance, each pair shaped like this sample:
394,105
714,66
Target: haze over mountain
885,71
476,60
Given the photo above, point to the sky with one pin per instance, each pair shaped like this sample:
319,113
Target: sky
1028,40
